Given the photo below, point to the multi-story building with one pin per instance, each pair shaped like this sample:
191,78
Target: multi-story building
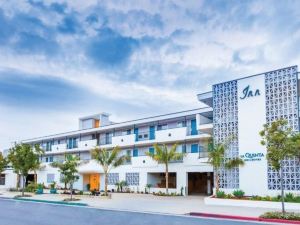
236,108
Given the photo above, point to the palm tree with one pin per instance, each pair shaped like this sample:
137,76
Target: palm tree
216,158
108,160
164,155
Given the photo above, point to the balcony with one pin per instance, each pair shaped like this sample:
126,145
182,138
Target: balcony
58,148
87,145
206,128
124,140
174,134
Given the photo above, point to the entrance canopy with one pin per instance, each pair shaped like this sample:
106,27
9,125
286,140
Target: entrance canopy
90,167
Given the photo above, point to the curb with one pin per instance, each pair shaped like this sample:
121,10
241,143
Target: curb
244,218
50,202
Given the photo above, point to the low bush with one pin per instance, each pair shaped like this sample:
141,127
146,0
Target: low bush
13,189
220,194
280,215
239,193
164,194
31,187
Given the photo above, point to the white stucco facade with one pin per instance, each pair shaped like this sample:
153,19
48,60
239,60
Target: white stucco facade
236,108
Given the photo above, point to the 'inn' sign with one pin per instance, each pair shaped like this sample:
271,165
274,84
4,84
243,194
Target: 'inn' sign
247,92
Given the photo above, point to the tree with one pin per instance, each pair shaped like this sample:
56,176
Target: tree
24,158
3,162
217,158
68,170
108,160
164,155
281,143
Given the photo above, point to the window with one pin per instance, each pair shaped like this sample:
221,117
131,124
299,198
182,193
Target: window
128,131
181,124
51,159
50,177
194,148
162,127
133,178
151,150
135,152
113,178
2,179
183,148
46,159
128,153
72,143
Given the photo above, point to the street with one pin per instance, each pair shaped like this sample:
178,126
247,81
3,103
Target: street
28,213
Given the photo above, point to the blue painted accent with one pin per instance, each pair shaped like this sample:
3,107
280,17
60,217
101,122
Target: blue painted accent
193,127
136,132
152,132
151,150
194,148
247,92
135,152
184,148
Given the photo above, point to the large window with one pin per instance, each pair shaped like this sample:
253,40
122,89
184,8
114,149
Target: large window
113,178
2,179
133,178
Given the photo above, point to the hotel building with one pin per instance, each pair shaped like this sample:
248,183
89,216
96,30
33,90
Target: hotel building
236,108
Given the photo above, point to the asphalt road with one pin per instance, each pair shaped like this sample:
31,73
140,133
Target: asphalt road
29,213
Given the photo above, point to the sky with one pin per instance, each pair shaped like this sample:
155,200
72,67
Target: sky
60,60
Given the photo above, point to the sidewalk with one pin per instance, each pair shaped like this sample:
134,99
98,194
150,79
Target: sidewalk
154,204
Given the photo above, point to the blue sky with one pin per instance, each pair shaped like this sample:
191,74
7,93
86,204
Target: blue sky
60,60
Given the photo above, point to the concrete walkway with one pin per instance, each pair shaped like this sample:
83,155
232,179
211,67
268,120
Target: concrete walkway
150,203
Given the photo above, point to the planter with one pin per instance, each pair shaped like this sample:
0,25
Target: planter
39,191
250,203
53,191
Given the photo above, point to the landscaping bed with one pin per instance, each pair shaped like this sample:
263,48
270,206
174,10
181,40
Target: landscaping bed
280,215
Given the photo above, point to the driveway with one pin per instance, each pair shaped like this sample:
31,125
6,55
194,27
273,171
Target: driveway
154,204
28,213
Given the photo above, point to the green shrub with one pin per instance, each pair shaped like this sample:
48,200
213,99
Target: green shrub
229,196
80,192
238,193
31,187
280,215
220,194
13,189
53,185
40,186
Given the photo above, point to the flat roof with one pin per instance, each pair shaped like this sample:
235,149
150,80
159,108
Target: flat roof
121,124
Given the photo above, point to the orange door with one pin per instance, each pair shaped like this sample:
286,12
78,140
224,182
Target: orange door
97,123
94,181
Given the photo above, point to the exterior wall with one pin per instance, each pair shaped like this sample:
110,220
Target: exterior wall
249,138
241,107
10,179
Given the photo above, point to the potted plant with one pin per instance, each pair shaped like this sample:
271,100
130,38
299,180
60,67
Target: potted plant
40,189
53,188
148,186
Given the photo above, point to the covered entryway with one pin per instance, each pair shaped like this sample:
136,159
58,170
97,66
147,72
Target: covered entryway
30,179
91,182
200,183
